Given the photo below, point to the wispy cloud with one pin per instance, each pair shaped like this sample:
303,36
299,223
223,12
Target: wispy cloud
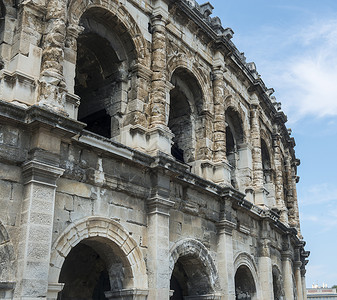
300,62
311,75
319,194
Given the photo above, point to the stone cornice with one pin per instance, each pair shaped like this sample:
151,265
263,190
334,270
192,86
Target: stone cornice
35,116
38,172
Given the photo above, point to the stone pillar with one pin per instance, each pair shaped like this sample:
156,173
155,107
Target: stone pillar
219,133
222,170
159,136
36,229
52,88
279,194
295,179
265,271
158,262
225,259
288,275
158,95
298,280
72,101
304,289
257,155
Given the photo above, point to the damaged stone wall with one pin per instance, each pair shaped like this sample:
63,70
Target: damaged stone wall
138,146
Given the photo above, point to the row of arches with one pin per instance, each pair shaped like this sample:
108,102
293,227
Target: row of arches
106,54
90,261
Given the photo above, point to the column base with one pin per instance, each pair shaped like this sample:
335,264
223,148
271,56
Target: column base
53,290
215,296
132,294
152,141
218,172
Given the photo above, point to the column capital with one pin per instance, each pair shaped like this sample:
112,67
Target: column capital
287,255
226,226
37,172
297,265
159,205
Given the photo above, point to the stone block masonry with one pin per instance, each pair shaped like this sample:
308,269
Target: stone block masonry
141,157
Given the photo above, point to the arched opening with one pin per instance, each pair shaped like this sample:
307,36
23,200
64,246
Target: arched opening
185,106
92,267
6,256
245,288
2,28
266,163
189,278
277,284
105,52
234,138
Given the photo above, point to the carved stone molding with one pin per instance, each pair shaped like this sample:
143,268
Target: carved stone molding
132,294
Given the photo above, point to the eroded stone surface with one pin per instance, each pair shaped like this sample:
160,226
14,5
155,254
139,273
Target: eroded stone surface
138,147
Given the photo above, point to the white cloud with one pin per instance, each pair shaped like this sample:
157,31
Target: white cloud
301,64
310,77
319,194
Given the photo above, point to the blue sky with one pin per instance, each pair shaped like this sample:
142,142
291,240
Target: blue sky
294,45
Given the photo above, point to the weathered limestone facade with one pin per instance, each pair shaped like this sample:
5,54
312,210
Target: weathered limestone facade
141,157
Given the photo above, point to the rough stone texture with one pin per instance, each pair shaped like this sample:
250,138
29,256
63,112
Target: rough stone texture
140,149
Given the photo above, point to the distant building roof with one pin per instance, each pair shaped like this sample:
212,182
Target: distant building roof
321,293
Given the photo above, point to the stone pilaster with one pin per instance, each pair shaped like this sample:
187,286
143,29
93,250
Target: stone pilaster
298,280
159,136
158,94
36,229
265,270
296,217
158,263
52,86
304,290
279,194
219,131
225,259
257,155
288,274
140,81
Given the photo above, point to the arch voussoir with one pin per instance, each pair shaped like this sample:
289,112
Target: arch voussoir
114,232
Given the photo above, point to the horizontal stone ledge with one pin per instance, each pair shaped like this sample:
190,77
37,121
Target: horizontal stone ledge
128,294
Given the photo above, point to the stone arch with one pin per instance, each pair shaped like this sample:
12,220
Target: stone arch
234,104
7,256
185,114
77,8
278,290
2,27
246,278
105,232
7,264
267,161
236,133
190,259
106,76
184,63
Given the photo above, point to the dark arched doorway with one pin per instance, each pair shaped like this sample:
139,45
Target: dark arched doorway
245,288
104,54
234,138
277,284
184,119
189,278
91,268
